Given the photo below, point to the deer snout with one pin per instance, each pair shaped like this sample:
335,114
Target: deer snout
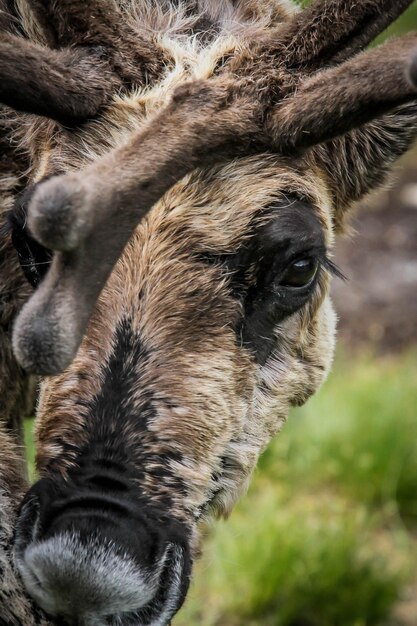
87,566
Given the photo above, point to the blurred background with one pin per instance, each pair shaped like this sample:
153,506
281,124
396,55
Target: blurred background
327,535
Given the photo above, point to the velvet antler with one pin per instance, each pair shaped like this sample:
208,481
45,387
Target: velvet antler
100,23
64,85
93,54
331,31
290,91
349,95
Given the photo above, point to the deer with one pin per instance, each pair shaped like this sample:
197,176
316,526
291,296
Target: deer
173,178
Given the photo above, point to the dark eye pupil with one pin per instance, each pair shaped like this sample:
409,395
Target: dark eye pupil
300,273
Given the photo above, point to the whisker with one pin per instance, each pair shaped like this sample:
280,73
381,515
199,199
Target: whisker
35,264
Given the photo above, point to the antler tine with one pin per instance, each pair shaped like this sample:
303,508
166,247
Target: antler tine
95,52
363,88
48,332
100,23
330,31
68,86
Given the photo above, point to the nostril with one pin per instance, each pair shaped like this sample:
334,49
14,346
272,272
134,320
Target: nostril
88,504
107,483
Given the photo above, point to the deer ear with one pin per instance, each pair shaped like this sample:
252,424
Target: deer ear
359,162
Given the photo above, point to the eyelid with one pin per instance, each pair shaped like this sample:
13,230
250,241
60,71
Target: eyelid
322,255
324,263
282,263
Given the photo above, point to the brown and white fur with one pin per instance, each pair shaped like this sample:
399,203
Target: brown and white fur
179,159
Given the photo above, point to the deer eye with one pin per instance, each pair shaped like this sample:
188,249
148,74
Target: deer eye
34,259
300,273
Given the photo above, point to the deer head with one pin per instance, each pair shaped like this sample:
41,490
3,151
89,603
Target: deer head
186,179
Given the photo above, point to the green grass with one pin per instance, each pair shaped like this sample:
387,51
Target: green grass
30,449
320,540
309,560
408,21
359,435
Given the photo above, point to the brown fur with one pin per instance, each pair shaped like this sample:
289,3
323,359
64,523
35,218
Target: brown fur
197,156
327,33
16,609
196,359
13,289
263,98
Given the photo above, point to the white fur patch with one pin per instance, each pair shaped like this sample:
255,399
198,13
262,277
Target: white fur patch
68,577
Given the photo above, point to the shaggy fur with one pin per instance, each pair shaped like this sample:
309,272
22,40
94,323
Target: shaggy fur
208,128
259,95
16,609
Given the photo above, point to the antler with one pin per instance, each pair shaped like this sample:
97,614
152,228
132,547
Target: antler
331,31
65,85
100,23
275,95
95,52
336,100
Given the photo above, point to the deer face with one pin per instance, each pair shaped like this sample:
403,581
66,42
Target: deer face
184,309
214,322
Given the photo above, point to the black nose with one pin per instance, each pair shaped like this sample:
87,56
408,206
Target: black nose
96,558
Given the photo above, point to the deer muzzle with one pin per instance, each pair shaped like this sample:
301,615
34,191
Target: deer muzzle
89,558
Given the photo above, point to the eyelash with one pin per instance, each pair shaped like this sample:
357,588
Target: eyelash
331,267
